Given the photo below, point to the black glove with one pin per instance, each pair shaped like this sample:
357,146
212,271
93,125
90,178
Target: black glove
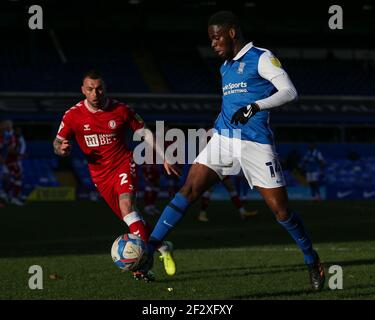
243,114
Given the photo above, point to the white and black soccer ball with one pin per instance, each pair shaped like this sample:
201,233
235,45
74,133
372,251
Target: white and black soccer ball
127,251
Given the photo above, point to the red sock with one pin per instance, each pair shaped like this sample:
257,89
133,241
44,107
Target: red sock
204,203
137,226
16,190
236,201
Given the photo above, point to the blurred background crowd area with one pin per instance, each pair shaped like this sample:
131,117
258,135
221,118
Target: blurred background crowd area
156,57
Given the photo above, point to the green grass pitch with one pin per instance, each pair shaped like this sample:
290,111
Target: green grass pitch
225,258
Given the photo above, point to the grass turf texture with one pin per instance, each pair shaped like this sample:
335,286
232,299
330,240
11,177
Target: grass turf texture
225,258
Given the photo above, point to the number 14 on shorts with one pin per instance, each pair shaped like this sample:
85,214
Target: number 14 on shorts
274,168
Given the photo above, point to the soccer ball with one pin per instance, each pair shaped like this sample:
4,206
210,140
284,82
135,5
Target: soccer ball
128,250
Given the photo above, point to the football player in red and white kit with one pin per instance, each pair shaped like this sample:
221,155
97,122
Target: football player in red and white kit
234,197
14,145
99,124
151,176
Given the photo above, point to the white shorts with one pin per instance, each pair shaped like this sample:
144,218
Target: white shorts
259,162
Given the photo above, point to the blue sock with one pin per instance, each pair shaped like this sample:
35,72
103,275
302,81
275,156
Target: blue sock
294,226
172,214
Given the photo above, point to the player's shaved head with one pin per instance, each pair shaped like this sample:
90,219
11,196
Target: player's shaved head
92,74
224,18
93,88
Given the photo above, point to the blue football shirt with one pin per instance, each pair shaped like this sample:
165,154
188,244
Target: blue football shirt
246,79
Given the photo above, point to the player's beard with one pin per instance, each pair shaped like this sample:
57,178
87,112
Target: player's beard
95,103
98,103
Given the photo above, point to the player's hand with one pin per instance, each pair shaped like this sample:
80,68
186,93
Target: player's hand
243,114
65,148
172,169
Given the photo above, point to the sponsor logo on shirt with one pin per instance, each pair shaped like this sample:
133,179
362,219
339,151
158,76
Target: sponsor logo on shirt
96,140
238,87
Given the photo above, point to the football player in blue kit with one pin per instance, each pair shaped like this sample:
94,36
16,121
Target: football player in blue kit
253,83
313,164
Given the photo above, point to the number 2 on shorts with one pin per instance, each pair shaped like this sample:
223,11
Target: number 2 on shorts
123,177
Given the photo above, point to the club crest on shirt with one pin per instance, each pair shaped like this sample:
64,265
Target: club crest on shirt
86,127
112,124
241,67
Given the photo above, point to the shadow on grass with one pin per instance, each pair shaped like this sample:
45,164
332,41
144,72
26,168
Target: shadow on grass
88,228
236,272
346,293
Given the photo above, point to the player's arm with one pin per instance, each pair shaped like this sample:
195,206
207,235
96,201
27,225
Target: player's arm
171,169
137,124
62,147
61,144
269,68
22,148
322,163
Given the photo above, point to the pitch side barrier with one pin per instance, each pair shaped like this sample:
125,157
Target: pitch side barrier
195,109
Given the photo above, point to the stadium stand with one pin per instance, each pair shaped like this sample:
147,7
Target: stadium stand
186,71
39,172
45,71
34,64
333,77
47,67
347,165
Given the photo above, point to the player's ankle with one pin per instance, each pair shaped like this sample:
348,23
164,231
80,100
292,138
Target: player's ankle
163,248
152,245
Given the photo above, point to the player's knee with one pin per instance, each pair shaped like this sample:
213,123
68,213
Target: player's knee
280,210
186,191
190,191
281,213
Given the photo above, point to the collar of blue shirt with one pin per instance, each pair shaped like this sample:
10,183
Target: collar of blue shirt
245,49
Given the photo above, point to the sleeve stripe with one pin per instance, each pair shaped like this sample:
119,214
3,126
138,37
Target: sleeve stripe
60,137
